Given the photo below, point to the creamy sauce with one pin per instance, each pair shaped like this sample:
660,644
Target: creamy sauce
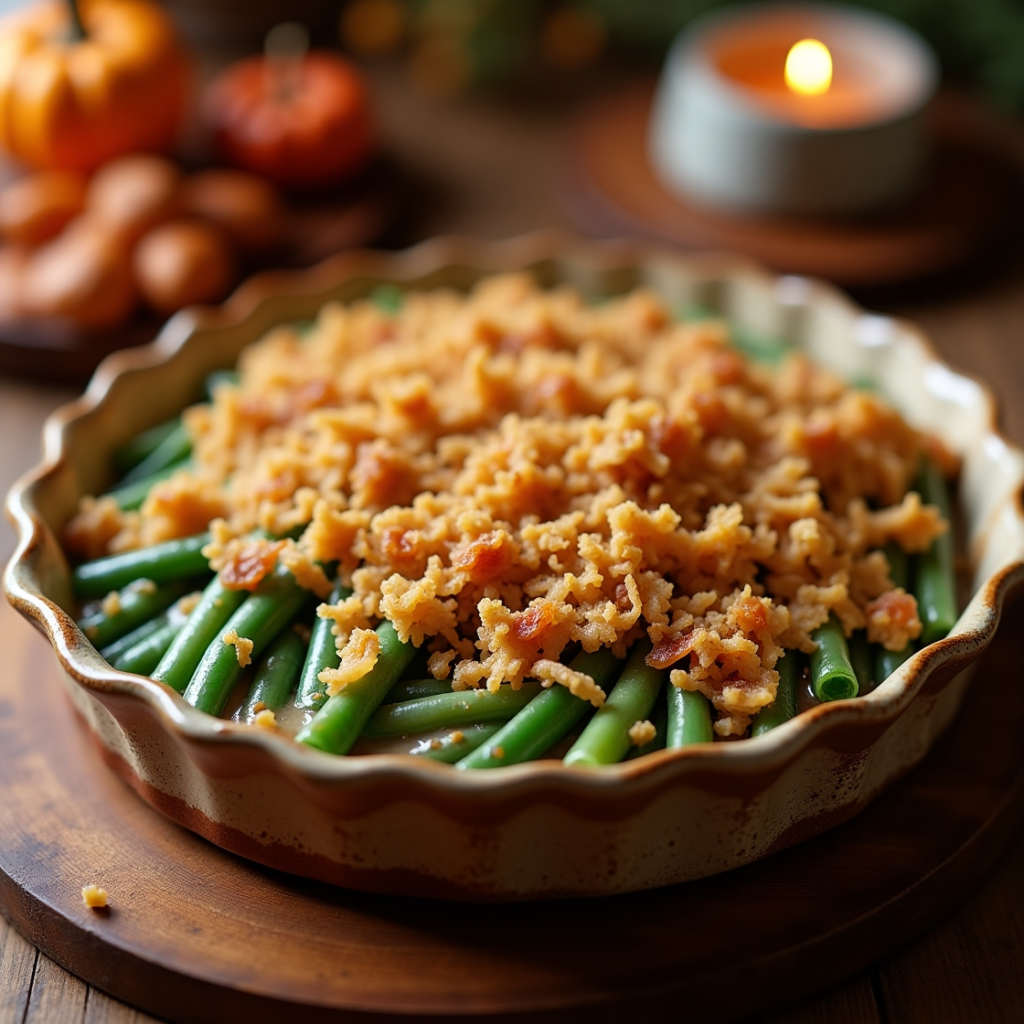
806,698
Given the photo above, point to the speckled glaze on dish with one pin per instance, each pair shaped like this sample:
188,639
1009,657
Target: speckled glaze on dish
401,825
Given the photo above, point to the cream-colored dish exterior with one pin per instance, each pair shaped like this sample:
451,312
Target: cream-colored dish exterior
404,825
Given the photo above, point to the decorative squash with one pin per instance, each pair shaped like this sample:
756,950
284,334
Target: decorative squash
84,81
12,273
83,275
133,194
248,208
35,208
181,263
308,128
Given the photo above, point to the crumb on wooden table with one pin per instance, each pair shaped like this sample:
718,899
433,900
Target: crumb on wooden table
94,896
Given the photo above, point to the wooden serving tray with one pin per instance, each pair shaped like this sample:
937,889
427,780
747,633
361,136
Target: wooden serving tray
195,934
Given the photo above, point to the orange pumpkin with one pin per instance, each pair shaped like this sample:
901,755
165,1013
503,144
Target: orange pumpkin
74,103
314,129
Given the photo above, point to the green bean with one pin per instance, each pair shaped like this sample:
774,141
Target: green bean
217,378
143,657
760,348
204,626
605,739
131,496
293,534
449,710
418,666
862,660
261,616
387,298
545,720
448,749
411,689
935,578
111,652
689,718
886,662
132,452
322,653
832,675
138,602
172,560
174,448
897,559
277,675
783,708
337,724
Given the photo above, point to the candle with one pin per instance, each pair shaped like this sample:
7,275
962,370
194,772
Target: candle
794,109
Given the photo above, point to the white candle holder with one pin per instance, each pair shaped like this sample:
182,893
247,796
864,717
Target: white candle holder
726,130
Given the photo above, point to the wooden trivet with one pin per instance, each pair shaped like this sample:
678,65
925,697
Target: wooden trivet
969,202
195,934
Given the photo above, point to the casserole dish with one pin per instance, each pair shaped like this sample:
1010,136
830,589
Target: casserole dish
393,824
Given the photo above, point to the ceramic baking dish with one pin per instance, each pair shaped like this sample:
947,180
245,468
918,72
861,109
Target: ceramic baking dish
402,825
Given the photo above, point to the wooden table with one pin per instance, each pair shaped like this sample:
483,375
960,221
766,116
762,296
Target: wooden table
491,169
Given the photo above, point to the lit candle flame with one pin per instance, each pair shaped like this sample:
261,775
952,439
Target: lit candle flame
809,68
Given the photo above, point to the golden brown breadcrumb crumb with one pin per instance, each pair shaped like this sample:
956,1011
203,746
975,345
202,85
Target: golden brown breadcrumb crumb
579,684
641,733
243,646
95,897
358,656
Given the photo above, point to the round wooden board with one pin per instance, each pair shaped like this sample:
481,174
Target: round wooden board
970,200
195,934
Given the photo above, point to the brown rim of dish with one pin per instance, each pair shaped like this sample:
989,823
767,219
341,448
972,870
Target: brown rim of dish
78,658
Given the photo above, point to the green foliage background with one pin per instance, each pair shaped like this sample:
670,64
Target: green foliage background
978,41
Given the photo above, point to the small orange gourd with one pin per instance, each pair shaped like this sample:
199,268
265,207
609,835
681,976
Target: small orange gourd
83,275
35,208
181,263
82,81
